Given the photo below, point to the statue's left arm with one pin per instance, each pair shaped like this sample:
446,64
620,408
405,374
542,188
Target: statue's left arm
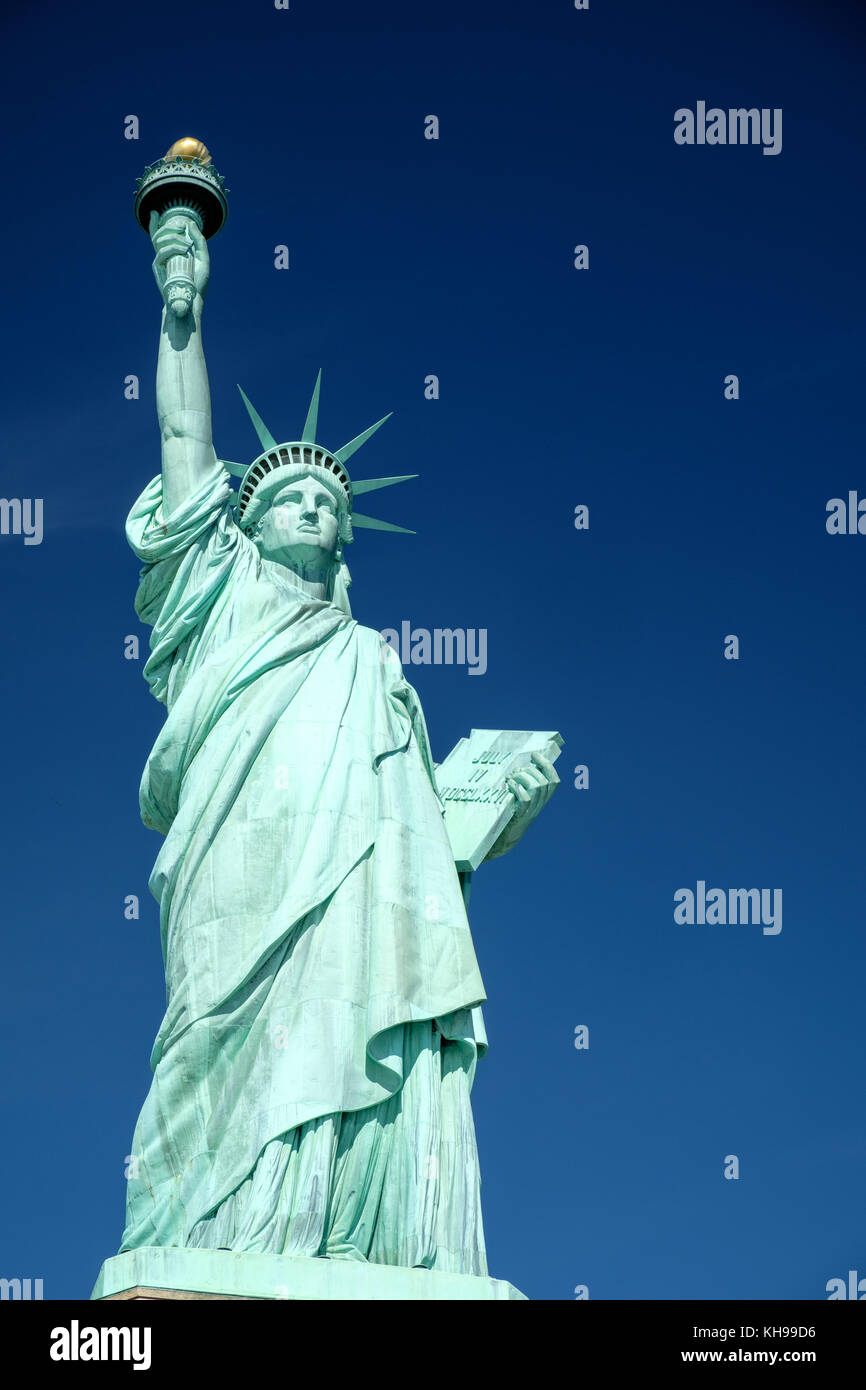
532,787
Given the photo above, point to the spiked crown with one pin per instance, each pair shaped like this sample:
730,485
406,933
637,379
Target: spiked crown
280,463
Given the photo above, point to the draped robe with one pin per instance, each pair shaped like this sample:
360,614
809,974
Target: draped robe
312,1073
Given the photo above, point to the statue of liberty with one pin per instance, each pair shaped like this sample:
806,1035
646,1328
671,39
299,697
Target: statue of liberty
312,1074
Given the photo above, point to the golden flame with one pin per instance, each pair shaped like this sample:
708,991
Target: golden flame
189,148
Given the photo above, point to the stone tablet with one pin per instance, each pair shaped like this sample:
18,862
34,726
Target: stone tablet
471,783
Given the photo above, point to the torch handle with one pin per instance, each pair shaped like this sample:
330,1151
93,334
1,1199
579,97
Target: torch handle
179,290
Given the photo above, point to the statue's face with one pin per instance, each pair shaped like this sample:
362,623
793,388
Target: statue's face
301,527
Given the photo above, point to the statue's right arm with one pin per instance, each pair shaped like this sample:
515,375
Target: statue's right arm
182,390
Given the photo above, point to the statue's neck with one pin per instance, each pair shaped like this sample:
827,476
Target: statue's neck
315,583
313,588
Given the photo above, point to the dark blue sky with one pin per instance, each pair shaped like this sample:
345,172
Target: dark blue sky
558,387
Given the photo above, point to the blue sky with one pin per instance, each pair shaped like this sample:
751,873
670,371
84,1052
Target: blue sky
558,387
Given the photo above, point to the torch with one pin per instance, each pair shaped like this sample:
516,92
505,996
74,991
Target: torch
182,188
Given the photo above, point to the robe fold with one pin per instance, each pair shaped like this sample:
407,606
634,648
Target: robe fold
317,953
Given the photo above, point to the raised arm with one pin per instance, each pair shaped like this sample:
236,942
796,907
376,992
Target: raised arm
182,390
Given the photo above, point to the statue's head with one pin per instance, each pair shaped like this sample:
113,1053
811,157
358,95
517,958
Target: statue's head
303,524
296,501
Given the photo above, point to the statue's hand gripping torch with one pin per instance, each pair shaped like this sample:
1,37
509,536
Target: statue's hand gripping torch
181,263
180,202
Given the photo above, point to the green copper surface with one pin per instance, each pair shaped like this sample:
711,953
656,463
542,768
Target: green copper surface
266,439
312,1074
308,433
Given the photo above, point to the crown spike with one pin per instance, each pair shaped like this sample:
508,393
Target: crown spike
308,434
373,484
372,524
348,449
266,439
